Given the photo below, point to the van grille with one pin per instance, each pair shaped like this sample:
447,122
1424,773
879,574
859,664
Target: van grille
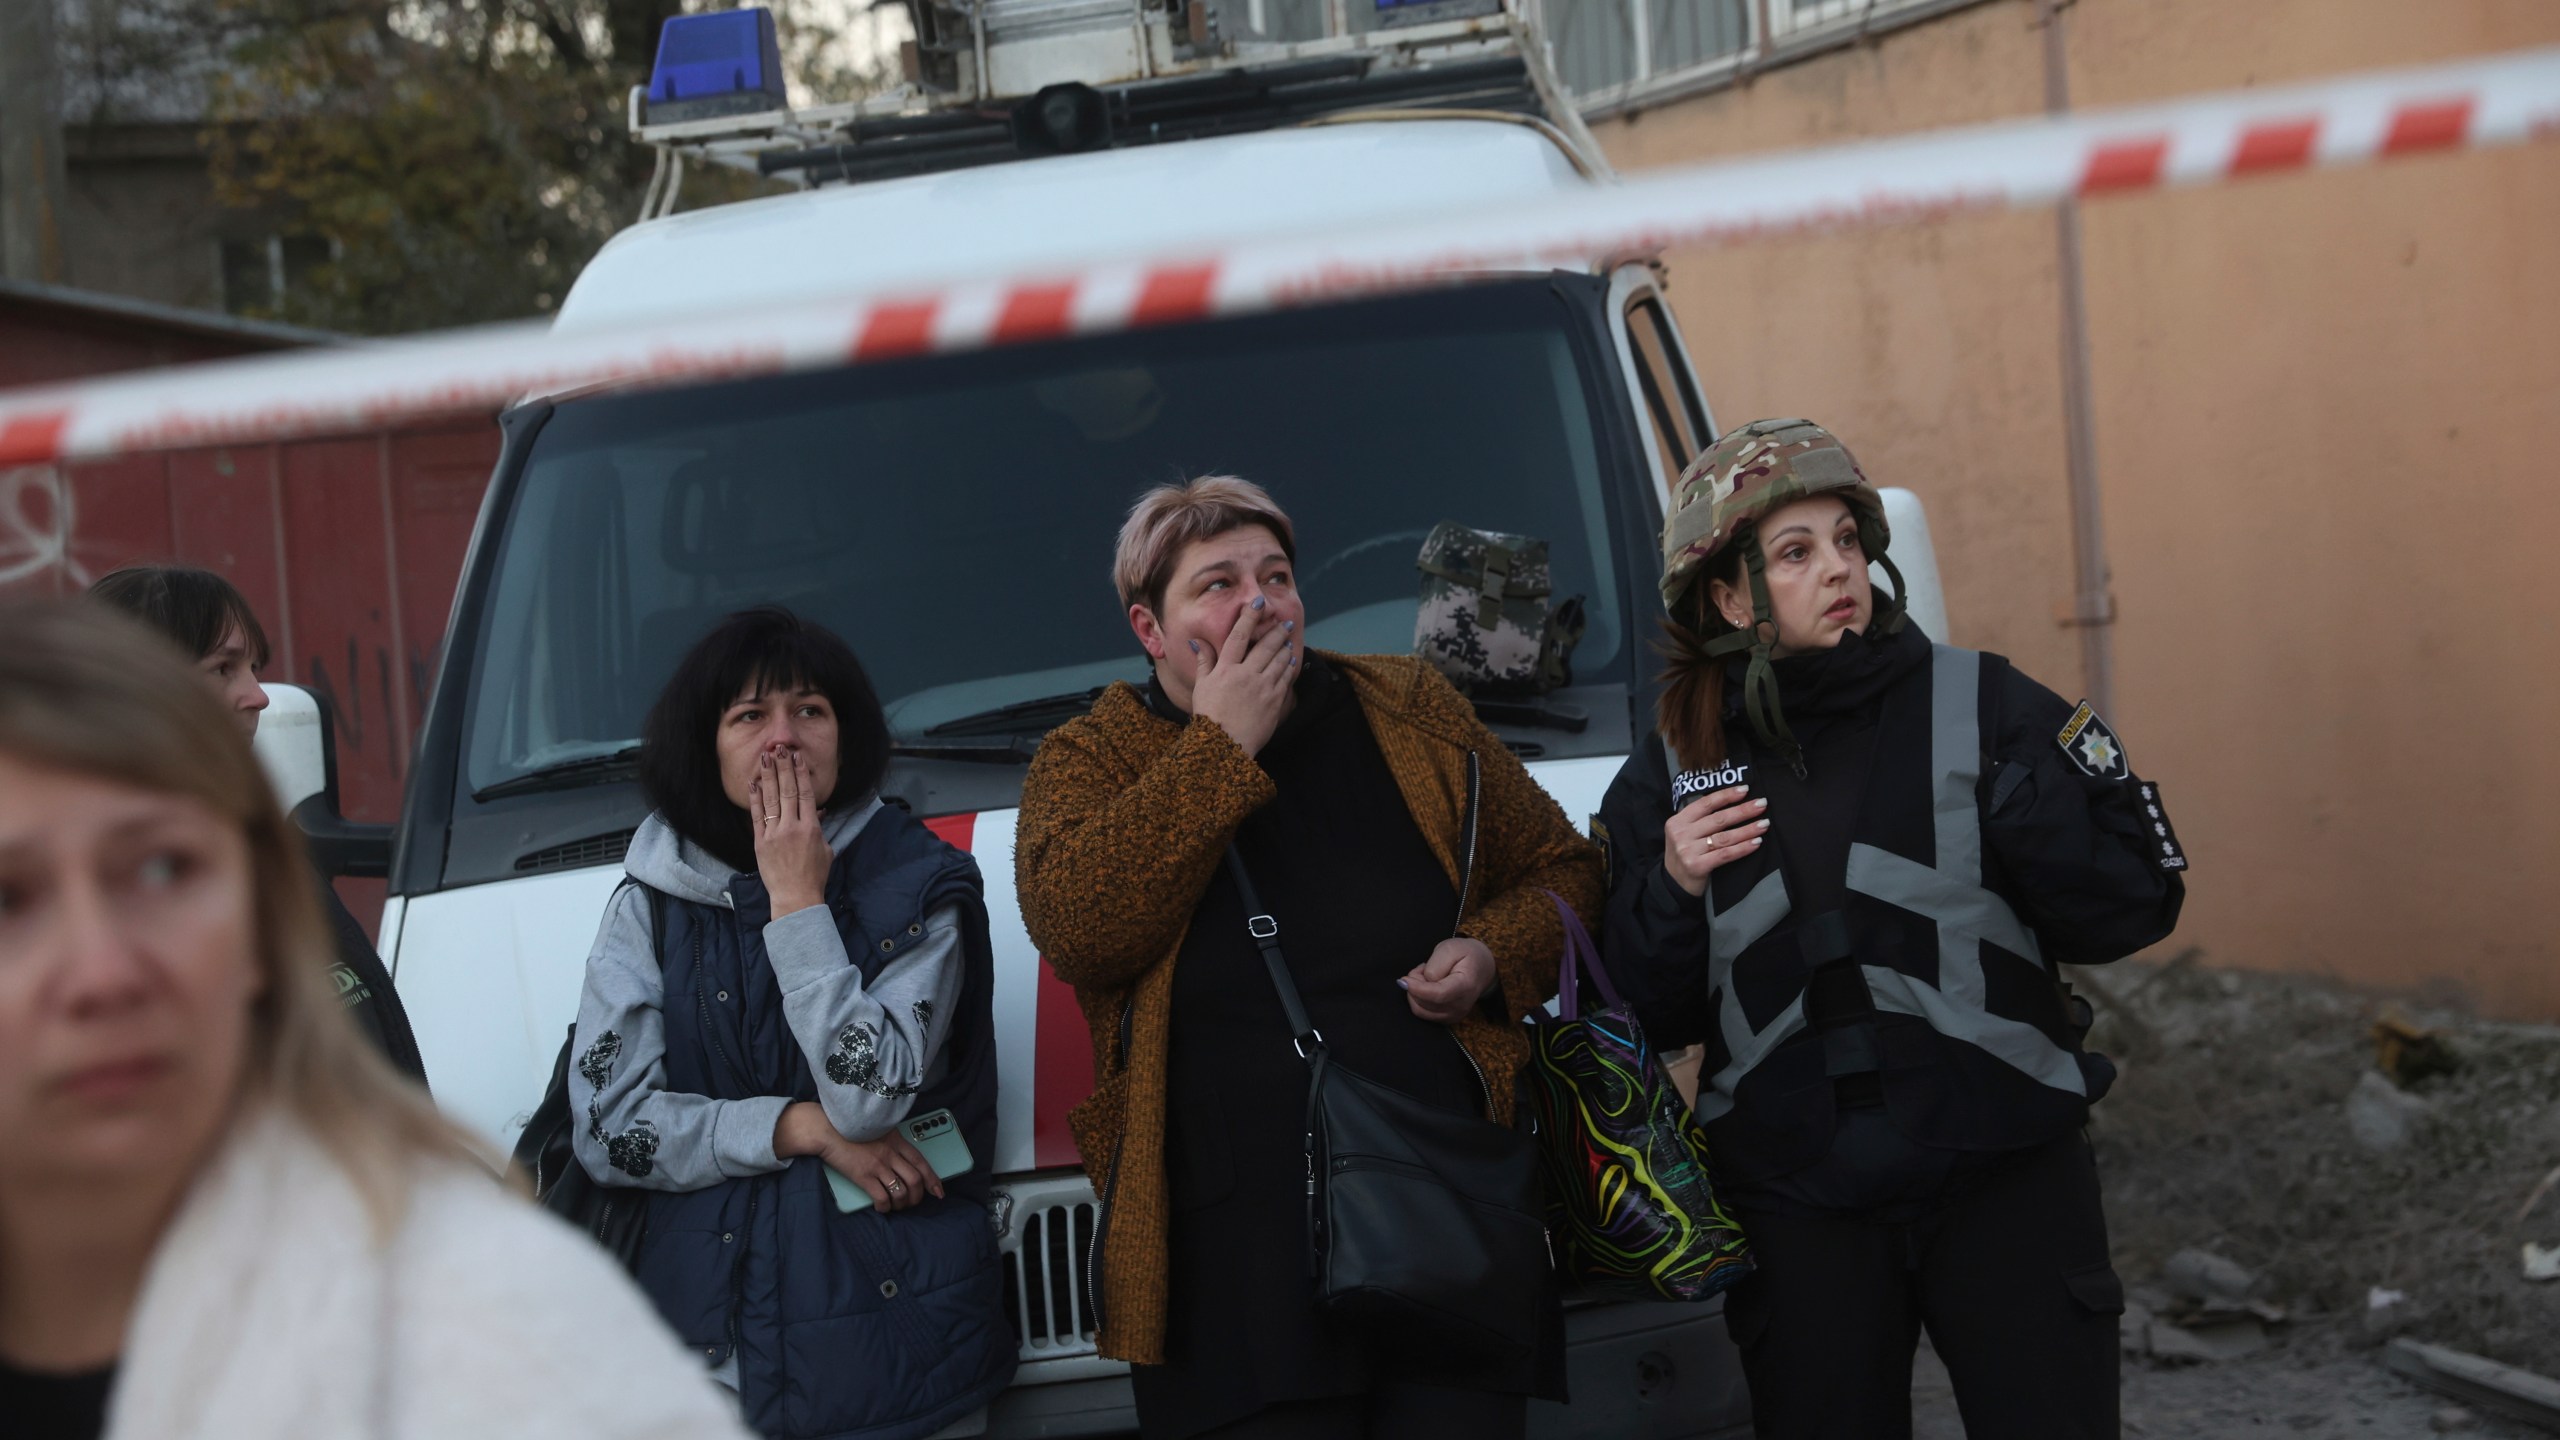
1044,1282
577,854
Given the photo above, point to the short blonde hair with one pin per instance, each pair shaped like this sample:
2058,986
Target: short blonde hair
1172,518
87,690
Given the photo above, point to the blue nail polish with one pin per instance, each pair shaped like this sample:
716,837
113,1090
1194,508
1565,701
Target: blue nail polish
1195,647
1288,624
1404,984
1257,602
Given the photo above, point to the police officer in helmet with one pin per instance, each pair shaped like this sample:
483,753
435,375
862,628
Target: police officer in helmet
1848,866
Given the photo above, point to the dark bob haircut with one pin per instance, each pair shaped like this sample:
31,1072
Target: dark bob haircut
771,649
192,607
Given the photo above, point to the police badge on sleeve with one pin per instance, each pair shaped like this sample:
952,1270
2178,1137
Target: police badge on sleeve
2089,744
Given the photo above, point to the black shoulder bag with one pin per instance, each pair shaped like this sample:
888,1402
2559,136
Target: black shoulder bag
1426,1228
616,1216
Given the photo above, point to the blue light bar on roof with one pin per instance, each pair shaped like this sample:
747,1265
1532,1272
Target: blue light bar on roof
725,63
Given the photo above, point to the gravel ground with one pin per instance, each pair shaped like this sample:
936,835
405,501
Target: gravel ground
2229,1132
2280,1392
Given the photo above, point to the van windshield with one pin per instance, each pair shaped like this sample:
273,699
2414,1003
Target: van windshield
954,517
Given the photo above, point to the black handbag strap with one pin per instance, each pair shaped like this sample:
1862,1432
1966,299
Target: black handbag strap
1266,938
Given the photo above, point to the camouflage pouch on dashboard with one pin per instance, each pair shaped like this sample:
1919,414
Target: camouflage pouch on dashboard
1487,621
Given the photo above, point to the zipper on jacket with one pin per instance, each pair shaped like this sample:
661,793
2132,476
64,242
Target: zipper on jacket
1467,836
1466,884
1110,1184
1481,1082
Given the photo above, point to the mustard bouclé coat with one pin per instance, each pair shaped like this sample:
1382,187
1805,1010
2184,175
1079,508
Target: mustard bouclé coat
1126,815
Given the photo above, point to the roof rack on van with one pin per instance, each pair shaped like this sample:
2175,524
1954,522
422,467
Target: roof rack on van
992,80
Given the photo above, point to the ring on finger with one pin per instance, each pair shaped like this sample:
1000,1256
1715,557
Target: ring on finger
1714,840
897,1187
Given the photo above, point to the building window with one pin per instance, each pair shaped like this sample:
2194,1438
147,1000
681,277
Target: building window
258,274
1608,49
1610,52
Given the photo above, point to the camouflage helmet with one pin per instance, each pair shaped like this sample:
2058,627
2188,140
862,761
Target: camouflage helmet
1755,469
1720,501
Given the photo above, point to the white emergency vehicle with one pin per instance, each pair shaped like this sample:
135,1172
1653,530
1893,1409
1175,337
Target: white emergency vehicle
953,515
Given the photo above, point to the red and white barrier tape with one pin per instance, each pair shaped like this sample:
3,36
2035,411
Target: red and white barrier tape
2010,165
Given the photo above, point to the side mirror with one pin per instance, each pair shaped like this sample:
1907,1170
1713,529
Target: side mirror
299,749
1916,556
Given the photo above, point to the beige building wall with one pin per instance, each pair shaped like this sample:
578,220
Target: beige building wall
2327,418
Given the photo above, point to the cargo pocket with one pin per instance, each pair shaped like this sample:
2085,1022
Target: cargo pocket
2096,1289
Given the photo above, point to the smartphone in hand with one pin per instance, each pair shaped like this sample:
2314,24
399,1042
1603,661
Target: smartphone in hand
935,1134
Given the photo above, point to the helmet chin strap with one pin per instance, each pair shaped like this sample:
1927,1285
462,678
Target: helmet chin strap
1759,679
1890,611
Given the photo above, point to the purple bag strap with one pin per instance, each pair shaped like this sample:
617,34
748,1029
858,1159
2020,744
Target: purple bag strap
1578,952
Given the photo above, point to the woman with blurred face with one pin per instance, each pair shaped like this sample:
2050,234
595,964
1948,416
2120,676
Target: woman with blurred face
1417,945
211,623
1846,862
220,1212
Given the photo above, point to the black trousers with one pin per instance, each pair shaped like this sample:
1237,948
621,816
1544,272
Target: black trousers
1393,1411
2011,1279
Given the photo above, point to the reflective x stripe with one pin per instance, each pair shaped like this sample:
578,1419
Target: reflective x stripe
1729,934
1747,1048
1950,893
1738,929
2015,1042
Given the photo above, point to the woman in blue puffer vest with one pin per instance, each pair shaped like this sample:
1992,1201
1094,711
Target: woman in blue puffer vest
790,971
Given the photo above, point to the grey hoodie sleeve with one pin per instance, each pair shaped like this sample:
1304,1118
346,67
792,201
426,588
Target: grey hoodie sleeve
633,1130
871,1047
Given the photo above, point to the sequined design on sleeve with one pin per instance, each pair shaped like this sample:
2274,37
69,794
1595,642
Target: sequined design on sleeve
632,1151
596,1067
856,1062
924,1019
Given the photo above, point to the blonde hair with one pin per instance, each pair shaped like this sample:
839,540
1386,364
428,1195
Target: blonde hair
1171,518
87,690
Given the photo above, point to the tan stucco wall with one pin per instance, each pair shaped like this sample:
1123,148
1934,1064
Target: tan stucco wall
2326,408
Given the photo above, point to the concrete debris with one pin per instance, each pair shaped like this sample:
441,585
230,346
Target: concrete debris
2133,1328
2452,1418
2213,1340
2203,1309
2541,1188
2380,1115
2541,1262
2407,1052
2204,1276
2232,1141
2479,1383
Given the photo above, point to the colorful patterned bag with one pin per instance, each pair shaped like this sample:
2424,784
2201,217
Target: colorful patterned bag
1629,1201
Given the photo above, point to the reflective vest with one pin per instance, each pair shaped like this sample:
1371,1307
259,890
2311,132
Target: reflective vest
1970,1040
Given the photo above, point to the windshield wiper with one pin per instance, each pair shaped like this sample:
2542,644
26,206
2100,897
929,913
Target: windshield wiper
1535,715
1014,751
567,775
1046,714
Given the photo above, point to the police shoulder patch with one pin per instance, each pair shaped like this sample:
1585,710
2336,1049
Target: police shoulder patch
1608,859
2088,743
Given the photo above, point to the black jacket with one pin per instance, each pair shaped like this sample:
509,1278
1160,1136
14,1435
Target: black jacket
2069,851
364,986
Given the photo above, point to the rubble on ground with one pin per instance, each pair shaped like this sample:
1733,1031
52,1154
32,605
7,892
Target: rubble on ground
2258,1131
